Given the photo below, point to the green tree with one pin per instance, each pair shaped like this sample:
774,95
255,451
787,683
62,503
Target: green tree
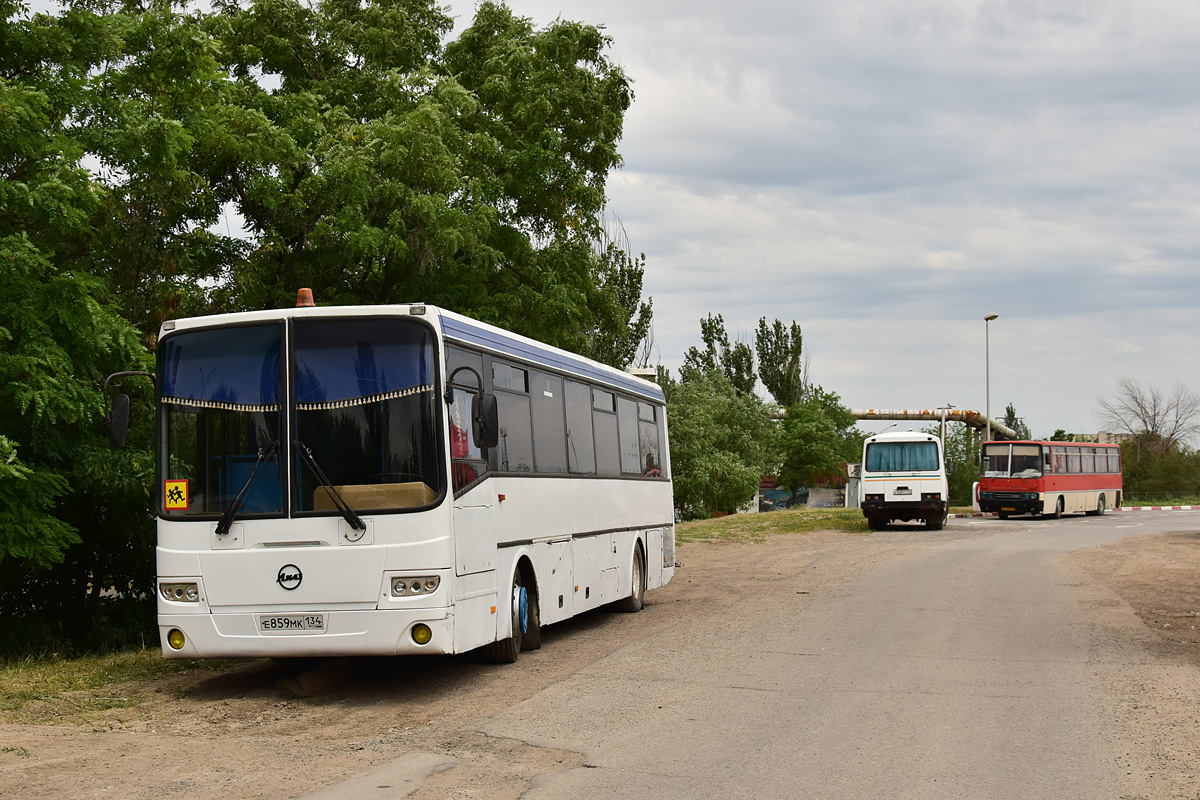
62,492
386,167
961,447
1016,423
820,436
735,362
780,350
722,444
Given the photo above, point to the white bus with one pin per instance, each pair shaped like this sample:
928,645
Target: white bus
381,480
903,479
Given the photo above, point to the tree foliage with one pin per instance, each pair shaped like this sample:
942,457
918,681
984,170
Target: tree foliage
735,362
368,157
1017,424
722,444
1156,420
820,436
780,350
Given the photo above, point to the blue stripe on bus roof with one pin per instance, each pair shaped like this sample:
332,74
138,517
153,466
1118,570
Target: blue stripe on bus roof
465,330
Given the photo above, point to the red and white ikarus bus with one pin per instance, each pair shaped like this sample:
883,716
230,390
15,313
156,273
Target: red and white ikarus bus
1050,478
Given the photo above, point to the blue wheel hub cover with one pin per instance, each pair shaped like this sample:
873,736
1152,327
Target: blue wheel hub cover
523,610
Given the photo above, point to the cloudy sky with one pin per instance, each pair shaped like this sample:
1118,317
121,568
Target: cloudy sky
887,173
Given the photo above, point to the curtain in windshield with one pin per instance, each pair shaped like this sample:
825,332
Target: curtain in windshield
901,456
221,418
366,412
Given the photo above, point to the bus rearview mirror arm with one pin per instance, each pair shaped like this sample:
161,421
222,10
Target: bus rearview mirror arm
485,419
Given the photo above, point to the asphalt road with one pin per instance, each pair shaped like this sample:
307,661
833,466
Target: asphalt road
976,662
971,665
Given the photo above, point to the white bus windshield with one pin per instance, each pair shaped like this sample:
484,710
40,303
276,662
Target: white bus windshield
901,456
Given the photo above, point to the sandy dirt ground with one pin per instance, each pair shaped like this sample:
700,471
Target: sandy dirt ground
264,730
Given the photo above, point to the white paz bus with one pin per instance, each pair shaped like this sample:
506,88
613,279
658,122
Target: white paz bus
378,480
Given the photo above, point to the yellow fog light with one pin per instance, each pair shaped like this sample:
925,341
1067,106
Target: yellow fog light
420,633
175,639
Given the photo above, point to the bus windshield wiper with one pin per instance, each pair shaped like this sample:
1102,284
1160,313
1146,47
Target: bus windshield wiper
352,519
227,518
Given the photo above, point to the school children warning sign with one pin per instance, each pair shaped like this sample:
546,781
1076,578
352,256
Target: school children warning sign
175,495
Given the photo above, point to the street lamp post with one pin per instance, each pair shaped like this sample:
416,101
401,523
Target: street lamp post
987,374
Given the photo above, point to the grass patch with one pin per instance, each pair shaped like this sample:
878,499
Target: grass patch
56,689
757,527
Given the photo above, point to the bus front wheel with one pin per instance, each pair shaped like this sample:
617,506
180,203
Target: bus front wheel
1058,508
507,650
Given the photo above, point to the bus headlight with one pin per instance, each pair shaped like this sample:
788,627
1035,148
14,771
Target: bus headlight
180,592
421,584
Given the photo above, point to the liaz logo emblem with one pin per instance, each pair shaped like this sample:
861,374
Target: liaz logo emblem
289,576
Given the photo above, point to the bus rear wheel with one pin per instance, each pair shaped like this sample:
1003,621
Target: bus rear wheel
876,523
1100,509
937,521
637,592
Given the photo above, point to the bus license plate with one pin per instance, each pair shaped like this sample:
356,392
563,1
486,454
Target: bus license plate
273,624
1007,508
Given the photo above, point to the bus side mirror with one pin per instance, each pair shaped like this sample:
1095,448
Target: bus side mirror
949,467
118,422
977,459
485,421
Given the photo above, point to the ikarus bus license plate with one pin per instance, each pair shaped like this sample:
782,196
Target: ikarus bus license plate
277,624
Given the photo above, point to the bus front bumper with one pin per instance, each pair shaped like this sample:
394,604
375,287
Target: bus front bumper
345,633
903,510
1009,505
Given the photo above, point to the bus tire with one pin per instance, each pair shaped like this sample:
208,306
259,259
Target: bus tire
876,523
531,638
506,651
937,521
1002,514
1099,512
637,592
1059,505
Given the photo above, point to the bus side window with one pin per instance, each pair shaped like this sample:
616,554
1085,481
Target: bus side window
604,422
467,463
581,445
648,440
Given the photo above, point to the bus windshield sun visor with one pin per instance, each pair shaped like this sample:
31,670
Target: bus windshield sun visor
352,519
227,518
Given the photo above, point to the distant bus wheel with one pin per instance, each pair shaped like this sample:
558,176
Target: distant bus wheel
1002,514
1099,508
937,521
876,523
